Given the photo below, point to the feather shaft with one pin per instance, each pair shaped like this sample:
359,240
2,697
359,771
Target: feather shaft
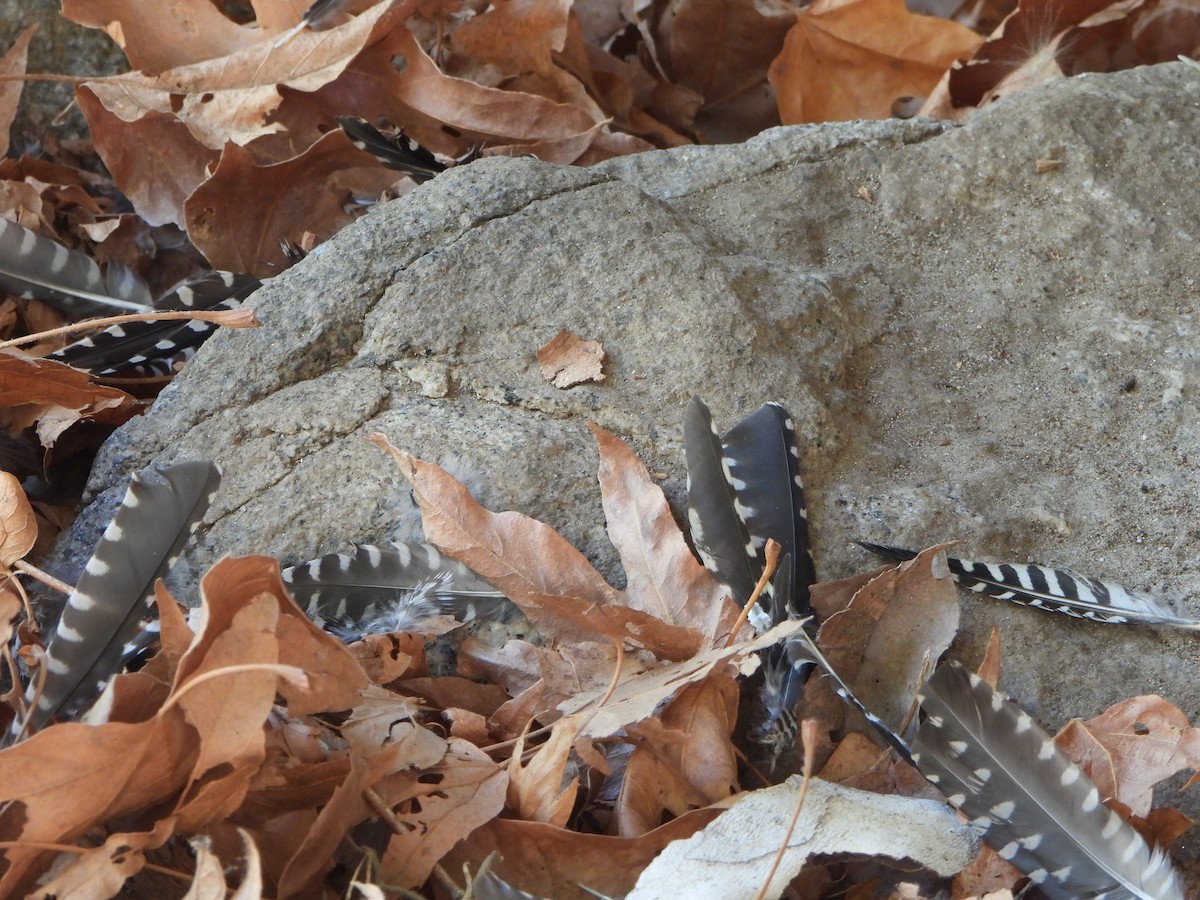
33,266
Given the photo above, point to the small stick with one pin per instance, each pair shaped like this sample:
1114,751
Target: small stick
808,734
772,553
230,318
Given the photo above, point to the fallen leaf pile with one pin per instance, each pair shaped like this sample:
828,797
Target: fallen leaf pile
256,752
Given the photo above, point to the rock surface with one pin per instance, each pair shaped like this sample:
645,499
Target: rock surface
985,332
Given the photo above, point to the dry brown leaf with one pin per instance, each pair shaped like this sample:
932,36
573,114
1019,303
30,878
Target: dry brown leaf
240,215
18,525
854,59
179,32
663,577
987,876
860,763
684,759
638,696
534,566
1132,746
515,36
721,48
346,808
989,668
383,718
101,871
208,882
436,808
539,790
553,862
896,626
12,63
567,359
55,396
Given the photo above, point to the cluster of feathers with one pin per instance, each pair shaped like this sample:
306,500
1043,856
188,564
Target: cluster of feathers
1027,800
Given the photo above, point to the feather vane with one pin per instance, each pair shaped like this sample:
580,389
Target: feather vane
160,511
1055,590
1030,802
149,347
395,586
32,266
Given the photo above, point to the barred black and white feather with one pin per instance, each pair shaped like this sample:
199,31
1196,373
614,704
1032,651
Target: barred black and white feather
743,489
35,267
150,347
1029,801
1055,590
397,151
381,588
160,510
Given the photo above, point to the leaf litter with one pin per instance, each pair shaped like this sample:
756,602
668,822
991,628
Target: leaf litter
256,740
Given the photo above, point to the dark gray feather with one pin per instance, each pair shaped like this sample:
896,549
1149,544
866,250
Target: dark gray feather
719,530
1031,804
763,459
1055,590
389,587
35,267
149,346
158,514
395,151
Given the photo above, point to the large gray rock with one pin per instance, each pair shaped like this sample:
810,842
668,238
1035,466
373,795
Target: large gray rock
974,346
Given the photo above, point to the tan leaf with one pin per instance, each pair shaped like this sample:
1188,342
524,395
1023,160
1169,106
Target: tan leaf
538,790
18,525
721,48
567,360
103,870
437,808
683,760
179,32
240,214
515,36
32,390
854,59
639,695
553,862
663,577
1132,746
534,566
989,668
12,63
893,629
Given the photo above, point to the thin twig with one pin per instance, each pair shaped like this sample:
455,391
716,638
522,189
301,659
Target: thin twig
772,554
230,318
808,734
44,577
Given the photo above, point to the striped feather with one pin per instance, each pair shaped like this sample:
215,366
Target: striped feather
1031,804
396,151
35,267
389,587
158,514
150,346
1055,590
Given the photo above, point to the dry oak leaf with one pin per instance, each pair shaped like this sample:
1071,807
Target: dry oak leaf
18,525
54,396
533,565
567,360
683,759
854,59
1132,746
102,871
